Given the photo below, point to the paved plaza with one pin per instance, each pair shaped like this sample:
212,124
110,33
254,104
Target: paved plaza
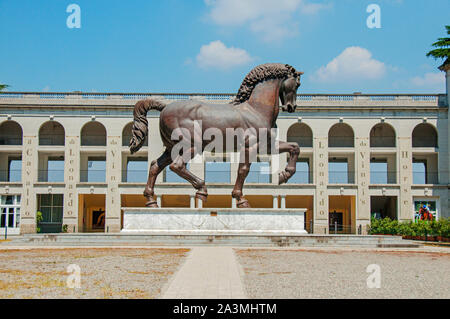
343,273
209,272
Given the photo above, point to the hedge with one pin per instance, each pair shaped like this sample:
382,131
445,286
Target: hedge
387,226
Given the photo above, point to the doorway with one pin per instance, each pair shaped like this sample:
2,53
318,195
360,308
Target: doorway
92,212
342,214
383,206
336,220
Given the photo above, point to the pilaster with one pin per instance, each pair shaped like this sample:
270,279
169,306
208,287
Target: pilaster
71,164
29,170
113,158
405,212
321,177
363,180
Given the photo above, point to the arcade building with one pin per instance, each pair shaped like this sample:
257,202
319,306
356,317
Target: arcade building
66,155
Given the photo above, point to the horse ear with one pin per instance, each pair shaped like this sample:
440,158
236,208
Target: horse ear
299,73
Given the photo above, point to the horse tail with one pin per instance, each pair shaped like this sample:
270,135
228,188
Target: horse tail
140,124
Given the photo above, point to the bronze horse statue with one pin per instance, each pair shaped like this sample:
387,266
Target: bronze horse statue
256,106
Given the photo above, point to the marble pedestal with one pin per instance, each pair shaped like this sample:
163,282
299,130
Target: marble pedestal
213,221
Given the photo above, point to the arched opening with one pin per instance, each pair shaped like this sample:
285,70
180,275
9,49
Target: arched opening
301,134
341,135
51,133
382,135
10,133
126,135
424,135
93,134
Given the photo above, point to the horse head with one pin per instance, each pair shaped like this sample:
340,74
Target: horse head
288,92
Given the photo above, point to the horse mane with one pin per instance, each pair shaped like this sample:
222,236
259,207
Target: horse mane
260,74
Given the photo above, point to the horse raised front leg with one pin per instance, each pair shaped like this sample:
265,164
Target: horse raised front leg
294,152
156,167
179,167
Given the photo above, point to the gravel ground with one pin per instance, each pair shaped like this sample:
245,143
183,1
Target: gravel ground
105,272
342,274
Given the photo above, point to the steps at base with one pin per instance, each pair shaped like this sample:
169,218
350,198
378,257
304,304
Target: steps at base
248,240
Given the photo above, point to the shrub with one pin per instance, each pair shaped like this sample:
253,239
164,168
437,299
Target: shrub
418,228
39,219
384,226
405,229
444,227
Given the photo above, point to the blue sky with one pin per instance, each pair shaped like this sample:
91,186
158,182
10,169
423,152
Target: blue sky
210,45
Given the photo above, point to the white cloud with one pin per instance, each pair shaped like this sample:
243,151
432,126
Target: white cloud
217,55
430,79
273,20
354,63
314,8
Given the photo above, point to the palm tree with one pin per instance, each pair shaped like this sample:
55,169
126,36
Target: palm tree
442,50
3,86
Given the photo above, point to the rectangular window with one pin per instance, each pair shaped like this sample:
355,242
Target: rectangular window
55,169
10,211
259,173
137,169
301,175
378,171
420,172
96,170
218,172
338,171
14,169
51,207
172,177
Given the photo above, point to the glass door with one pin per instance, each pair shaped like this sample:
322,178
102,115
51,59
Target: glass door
10,214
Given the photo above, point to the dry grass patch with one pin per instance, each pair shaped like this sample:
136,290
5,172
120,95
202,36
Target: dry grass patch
105,272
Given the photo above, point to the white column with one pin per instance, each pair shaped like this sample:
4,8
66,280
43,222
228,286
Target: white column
275,201
283,202
158,200
192,201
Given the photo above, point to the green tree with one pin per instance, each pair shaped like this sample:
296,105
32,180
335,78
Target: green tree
442,48
3,86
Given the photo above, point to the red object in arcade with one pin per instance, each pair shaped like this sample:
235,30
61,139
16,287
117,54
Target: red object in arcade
425,214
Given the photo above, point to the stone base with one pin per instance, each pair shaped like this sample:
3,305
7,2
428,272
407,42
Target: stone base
219,221
27,228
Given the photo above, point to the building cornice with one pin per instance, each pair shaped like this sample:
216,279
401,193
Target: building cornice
304,101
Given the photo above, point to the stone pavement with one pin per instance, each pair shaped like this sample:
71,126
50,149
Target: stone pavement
208,273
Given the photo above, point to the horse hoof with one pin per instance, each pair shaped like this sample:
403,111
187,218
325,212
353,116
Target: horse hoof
281,178
152,204
243,203
202,196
